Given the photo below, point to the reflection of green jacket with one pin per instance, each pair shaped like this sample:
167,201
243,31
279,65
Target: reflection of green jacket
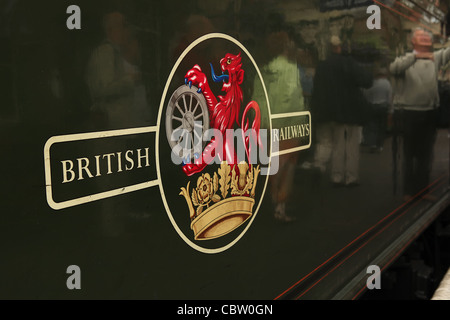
416,80
282,80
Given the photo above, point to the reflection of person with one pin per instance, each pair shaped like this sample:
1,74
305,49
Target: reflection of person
282,79
132,60
281,74
416,97
338,106
112,88
379,95
113,80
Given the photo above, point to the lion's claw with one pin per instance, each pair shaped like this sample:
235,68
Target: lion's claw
195,77
187,82
186,160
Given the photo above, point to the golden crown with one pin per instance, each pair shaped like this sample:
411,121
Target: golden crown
212,213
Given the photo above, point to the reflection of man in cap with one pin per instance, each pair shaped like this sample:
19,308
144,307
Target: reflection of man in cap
416,97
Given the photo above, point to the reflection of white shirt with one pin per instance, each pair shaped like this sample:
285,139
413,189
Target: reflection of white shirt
416,81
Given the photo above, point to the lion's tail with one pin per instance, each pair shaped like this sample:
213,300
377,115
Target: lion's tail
253,134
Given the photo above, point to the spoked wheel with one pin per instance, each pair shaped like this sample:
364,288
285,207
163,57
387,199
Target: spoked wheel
187,118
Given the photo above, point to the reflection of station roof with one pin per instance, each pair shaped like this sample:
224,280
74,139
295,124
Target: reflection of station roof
296,11
410,13
423,11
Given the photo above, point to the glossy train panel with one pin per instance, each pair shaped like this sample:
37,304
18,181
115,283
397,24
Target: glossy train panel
217,149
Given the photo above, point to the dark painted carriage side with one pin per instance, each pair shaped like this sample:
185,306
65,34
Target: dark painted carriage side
125,243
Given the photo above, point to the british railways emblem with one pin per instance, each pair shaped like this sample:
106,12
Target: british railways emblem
217,146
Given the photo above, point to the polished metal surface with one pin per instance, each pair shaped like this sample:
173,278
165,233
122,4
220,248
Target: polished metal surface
102,166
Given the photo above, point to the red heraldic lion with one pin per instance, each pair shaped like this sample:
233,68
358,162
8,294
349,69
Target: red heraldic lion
224,112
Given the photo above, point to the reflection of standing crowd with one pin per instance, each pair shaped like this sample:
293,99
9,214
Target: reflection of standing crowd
347,100
352,106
